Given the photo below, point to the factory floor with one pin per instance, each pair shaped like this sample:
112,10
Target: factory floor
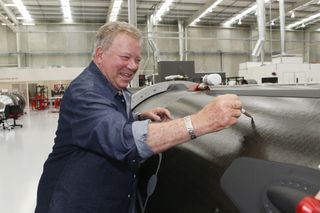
22,154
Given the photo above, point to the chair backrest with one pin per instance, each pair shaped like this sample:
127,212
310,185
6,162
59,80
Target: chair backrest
2,107
14,111
6,111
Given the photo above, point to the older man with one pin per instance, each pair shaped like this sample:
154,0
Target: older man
99,141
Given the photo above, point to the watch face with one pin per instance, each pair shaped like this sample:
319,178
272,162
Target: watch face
191,133
187,121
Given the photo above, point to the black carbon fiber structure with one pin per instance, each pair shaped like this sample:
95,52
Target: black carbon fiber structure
286,129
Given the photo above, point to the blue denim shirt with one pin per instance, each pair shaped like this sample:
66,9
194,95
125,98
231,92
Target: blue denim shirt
97,150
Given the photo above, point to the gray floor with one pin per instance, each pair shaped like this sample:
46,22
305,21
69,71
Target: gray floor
22,154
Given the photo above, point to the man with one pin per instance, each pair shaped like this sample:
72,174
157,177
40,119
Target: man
99,142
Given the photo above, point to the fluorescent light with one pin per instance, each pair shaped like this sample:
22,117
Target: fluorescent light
22,9
5,24
28,24
303,21
208,10
242,14
65,5
115,10
165,7
9,5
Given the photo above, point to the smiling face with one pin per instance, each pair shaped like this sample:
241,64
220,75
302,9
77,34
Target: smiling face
121,61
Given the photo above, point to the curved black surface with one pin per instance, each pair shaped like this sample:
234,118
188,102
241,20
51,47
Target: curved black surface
265,186
286,129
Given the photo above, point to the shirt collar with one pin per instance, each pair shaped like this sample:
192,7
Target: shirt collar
114,91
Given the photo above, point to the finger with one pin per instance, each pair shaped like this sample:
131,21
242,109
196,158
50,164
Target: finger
164,113
237,104
167,114
155,117
236,113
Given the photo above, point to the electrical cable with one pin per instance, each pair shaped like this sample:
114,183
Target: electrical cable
152,183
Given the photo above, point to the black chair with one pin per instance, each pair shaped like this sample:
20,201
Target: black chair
3,118
14,112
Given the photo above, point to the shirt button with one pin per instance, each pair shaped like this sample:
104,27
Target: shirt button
129,195
134,176
122,100
133,161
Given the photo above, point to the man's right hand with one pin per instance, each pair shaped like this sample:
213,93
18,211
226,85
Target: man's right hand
222,112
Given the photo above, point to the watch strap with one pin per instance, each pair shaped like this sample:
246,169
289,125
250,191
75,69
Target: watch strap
189,126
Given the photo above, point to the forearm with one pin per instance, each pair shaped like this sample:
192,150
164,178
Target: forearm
162,136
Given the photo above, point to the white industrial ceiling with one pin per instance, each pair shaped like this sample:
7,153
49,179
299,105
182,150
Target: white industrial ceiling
96,11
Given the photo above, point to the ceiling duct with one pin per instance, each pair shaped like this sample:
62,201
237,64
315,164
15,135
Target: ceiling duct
261,30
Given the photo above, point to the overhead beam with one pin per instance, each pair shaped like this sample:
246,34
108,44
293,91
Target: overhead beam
9,13
295,6
199,12
8,23
313,28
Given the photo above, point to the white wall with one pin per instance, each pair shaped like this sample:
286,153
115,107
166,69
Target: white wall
71,46
38,74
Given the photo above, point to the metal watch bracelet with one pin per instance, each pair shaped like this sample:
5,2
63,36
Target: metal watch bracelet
189,126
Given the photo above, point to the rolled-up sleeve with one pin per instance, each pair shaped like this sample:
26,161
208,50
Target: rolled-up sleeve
140,133
135,115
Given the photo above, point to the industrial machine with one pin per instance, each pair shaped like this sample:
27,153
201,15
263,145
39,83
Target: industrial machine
12,106
285,130
41,100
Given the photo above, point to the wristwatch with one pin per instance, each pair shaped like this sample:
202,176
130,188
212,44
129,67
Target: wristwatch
189,126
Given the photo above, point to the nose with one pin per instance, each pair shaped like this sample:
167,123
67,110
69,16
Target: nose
133,65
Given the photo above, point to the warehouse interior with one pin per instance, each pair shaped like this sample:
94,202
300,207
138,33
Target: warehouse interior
266,51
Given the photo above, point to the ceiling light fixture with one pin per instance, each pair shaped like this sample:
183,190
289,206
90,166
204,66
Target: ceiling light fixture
292,14
242,14
22,9
28,24
239,22
115,10
208,10
165,7
7,24
303,21
272,23
65,5
9,5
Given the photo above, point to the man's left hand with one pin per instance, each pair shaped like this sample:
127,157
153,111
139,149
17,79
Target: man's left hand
158,114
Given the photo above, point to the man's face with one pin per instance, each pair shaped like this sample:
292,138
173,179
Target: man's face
121,61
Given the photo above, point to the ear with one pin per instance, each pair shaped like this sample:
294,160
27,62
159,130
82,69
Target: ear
98,54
